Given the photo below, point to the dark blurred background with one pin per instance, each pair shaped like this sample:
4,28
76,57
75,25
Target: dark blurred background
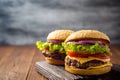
26,21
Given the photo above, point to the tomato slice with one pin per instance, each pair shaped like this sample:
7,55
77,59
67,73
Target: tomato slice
47,48
87,55
77,55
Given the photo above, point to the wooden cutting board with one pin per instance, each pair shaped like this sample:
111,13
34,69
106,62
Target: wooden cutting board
53,72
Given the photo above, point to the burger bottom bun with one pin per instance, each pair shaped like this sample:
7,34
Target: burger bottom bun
97,71
54,61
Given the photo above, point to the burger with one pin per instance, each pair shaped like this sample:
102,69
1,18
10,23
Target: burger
52,49
88,53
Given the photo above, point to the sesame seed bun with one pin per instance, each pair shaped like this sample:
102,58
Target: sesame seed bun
88,34
59,34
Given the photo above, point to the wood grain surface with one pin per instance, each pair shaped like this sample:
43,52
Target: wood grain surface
18,62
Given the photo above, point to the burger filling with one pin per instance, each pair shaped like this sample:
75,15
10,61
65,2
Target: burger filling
55,55
77,64
52,48
87,54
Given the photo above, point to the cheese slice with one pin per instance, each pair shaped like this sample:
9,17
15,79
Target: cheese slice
84,60
100,66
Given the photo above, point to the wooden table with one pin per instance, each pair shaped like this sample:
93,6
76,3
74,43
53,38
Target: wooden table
17,62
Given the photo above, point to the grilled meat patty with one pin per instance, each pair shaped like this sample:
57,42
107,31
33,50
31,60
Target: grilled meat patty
77,64
55,55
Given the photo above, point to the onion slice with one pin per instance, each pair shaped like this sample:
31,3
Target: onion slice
90,42
55,41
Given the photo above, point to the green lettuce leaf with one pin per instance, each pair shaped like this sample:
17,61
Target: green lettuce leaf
52,47
92,49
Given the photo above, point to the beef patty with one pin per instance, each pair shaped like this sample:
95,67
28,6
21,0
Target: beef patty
55,55
77,64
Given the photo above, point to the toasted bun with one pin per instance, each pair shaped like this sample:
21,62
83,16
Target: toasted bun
59,34
97,71
54,61
87,34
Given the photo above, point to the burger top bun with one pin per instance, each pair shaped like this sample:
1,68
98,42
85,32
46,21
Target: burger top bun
59,34
88,34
